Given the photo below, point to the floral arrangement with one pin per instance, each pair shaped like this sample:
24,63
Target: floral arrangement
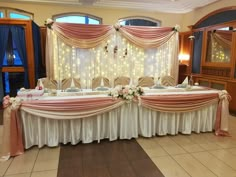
48,23
39,88
176,28
13,101
126,92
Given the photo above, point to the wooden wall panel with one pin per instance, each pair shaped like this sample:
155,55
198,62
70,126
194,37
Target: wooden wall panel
231,87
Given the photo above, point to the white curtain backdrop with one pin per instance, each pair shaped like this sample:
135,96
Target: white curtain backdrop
112,58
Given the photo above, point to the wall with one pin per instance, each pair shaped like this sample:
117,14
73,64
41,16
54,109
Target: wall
109,16
44,11
193,17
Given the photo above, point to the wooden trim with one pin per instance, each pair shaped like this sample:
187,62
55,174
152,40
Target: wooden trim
204,48
30,53
233,56
10,21
27,24
217,64
13,69
213,13
43,33
212,81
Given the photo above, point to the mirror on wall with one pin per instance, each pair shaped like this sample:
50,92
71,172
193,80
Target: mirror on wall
219,45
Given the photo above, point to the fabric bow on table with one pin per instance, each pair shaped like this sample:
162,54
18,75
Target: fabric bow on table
221,125
12,135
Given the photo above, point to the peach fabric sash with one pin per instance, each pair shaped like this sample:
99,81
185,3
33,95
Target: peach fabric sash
81,35
221,124
147,37
12,131
89,36
71,108
178,102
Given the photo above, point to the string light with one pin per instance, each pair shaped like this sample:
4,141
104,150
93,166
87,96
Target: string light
115,57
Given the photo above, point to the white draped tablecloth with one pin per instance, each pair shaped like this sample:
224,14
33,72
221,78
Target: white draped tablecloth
92,116
127,121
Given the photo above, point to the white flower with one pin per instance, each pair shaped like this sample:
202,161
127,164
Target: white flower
49,21
12,99
177,27
22,89
15,102
130,91
127,93
224,91
191,37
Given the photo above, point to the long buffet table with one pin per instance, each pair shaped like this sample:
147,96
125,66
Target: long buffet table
79,117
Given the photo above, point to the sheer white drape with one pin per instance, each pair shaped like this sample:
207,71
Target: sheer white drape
112,58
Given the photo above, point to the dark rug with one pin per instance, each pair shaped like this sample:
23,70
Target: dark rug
121,158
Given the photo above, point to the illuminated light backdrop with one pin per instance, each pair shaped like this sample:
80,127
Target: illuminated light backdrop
112,57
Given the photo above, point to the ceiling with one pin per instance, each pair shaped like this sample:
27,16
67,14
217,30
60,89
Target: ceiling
168,6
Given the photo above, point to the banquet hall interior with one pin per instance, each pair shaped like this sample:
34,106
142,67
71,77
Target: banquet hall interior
114,88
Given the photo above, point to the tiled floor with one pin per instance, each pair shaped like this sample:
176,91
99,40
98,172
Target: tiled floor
195,155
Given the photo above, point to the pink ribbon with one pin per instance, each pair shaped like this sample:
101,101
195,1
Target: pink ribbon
6,101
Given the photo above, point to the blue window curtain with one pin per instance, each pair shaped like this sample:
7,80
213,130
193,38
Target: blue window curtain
38,65
197,52
18,35
4,31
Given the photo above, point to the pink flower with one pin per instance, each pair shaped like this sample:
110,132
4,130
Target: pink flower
6,101
125,90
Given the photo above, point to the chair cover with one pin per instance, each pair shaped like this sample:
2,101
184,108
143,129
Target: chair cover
122,80
67,83
47,83
96,82
167,81
146,81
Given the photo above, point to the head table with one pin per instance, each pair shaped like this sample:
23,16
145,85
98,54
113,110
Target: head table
88,116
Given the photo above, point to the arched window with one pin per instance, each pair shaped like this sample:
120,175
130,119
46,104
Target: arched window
12,57
77,18
6,12
139,21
